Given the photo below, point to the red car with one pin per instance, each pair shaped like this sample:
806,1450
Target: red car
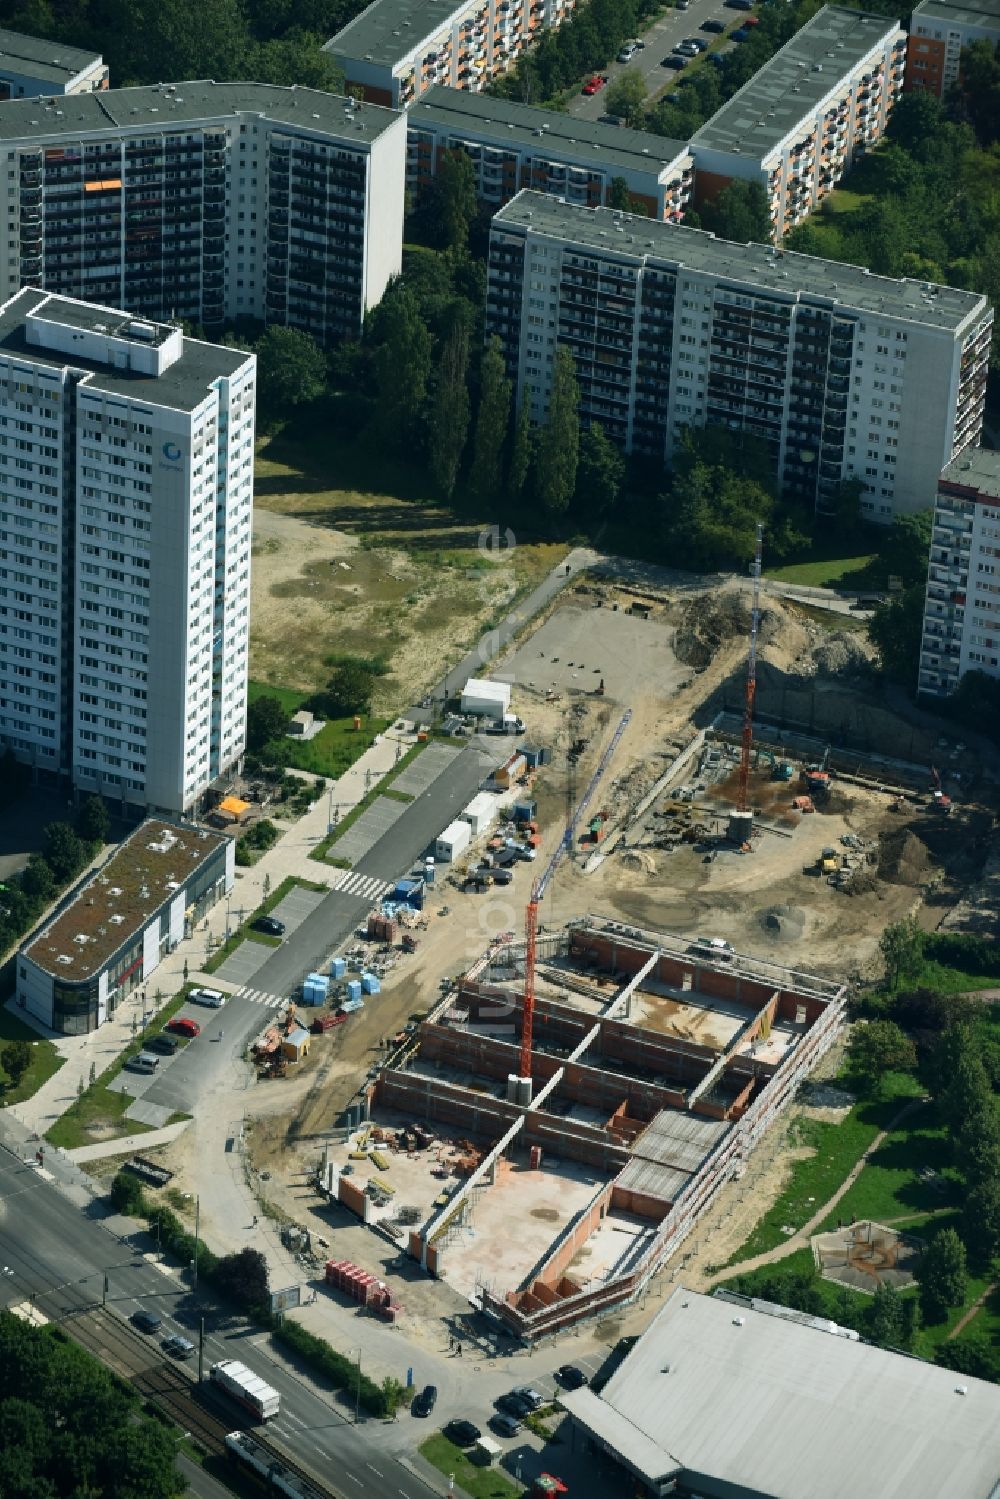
595,84
184,1027
752,21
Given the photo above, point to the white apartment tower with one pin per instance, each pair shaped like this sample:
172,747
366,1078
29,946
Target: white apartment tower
962,606
126,492
844,375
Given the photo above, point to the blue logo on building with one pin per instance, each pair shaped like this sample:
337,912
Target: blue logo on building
171,452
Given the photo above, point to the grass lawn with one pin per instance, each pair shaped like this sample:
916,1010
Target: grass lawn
933,975
99,1114
890,1186
828,572
837,1147
843,200
482,1483
290,698
45,1060
242,932
336,747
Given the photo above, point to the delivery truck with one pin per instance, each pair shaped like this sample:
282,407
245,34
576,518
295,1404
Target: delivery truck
248,1388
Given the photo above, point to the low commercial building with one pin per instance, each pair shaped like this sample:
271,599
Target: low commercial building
31,66
396,50
795,128
727,1398
515,145
843,374
962,607
74,973
939,29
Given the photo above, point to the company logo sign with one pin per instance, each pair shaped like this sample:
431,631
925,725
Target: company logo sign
171,452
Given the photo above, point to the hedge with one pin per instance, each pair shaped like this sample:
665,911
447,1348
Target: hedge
956,950
322,1359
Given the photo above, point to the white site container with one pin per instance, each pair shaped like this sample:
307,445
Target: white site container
456,837
486,699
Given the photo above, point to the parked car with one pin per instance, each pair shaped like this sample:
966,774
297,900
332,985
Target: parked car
595,84
165,1045
146,1321
697,42
526,1393
610,120
752,21
571,1377
269,924
741,34
685,49
675,62
211,998
514,1405
183,1026
505,1426
177,1346
462,1433
628,51
738,4
683,4
425,1401
715,27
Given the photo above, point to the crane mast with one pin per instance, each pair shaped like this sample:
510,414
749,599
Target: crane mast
743,801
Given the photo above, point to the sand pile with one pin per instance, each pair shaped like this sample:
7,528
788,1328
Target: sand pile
641,862
708,622
783,923
841,654
903,858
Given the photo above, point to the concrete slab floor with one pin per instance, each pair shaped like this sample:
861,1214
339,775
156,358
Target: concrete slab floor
704,1020
618,1236
512,1224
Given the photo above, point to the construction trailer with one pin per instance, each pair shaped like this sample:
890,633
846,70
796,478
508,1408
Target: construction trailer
453,841
484,699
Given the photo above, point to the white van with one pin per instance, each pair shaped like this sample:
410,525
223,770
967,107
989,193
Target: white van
210,997
145,1061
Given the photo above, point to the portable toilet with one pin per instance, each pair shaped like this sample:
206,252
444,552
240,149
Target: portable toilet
429,872
354,988
370,984
338,968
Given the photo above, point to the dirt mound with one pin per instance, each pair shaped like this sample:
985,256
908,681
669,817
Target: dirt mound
639,861
783,923
841,654
903,858
708,623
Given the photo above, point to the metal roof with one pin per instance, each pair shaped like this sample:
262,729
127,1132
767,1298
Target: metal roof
387,31
547,132
758,268
796,81
984,13
40,58
977,468
745,1401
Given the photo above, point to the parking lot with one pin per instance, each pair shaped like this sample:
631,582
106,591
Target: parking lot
241,965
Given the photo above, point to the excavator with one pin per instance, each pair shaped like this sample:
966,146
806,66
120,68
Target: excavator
817,777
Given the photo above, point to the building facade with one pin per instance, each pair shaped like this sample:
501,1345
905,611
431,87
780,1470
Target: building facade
208,202
512,146
939,29
74,973
126,496
396,50
843,374
31,67
962,607
822,101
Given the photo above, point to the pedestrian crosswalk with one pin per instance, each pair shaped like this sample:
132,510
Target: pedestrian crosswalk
261,997
349,882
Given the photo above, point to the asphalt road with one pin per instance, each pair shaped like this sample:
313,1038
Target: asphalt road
662,36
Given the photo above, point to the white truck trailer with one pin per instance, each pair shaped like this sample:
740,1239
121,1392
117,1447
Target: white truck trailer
248,1388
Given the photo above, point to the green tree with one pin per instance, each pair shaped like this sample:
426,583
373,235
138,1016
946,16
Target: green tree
295,61
740,213
243,1277
37,880
402,365
942,1275
557,455
522,451
63,851
902,949
349,689
492,421
626,97
452,197
266,719
877,1047
448,420
981,1221
973,1356
15,1059
291,370
600,472
201,39
976,96
93,821
711,514
884,1320
906,548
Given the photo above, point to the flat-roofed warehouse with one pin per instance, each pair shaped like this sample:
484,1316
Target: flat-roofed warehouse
74,973
727,1398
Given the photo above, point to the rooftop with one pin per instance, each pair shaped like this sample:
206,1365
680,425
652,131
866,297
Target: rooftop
165,105
387,31
977,468
795,82
40,58
961,13
787,276
182,386
503,121
115,904
745,1398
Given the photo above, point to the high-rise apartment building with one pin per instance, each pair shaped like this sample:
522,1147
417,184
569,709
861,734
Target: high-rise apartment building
396,50
843,374
962,607
32,66
515,145
806,115
206,201
126,492
939,29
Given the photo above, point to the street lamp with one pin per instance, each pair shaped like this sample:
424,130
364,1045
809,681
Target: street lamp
228,899
357,1393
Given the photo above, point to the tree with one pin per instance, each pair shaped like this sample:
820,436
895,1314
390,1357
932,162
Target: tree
402,366
976,96
63,851
93,821
600,472
711,513
452,198
972,1356
15,1059
37,880
906,548
243,1277
740,213
558,452
981,1221
884,1321
200,38
291,370
522,451
877,1047
626,96
349,689
942,1275
266,719
492,421
448,421
902,949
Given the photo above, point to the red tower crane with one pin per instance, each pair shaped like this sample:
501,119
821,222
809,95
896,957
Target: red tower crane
743,803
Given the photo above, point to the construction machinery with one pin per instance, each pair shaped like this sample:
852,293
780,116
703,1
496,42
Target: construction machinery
741,821
566,843
817,777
